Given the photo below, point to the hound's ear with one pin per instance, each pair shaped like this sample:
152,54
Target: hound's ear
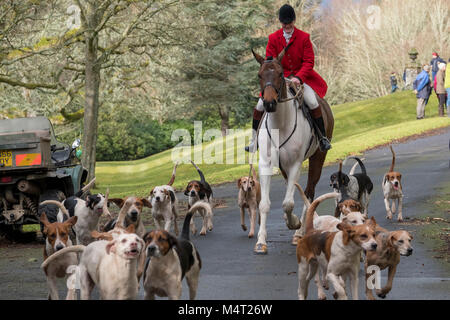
131,229
147,236
172,240
346,232
45,222
72,221
146,203
151,192
372,221
386,178
44,219
101,235
119,202
346,180
391,239
110,247
258,57
172,196
186,191
239,183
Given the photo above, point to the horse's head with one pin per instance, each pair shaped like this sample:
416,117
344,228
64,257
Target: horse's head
271,80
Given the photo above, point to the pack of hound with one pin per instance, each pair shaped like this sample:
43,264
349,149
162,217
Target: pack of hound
114,258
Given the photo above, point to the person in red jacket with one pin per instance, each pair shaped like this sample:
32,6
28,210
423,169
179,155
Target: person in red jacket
298,64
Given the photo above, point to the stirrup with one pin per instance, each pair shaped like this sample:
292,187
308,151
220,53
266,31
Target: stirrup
324,144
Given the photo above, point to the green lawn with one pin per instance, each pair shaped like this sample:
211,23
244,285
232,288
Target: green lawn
358,126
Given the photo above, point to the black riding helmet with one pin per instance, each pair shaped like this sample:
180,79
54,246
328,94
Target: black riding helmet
286,14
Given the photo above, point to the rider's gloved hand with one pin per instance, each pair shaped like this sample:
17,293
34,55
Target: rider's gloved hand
296,81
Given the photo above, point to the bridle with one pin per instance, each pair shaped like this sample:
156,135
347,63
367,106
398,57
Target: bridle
270,84
278,91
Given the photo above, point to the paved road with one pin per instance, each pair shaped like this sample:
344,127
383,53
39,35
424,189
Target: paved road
232,271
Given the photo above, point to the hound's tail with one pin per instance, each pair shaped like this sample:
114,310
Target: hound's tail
310,213
255,177
190,213
305,198
59,204
393,159
200,173
303,195
172,179
77,248
361,164
85,189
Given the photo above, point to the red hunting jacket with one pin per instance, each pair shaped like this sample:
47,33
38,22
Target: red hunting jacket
298,60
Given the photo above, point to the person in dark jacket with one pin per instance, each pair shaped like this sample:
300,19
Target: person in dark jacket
434,65
393,79
422,89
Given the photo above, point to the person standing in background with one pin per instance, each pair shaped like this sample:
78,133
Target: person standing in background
447,89
434,65
440,88
393,82
422,89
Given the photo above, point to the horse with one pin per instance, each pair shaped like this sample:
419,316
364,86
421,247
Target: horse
297,143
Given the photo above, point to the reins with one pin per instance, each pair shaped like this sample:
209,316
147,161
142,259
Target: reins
259,126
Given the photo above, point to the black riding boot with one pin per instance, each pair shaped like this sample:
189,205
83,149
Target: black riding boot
324,143
255,125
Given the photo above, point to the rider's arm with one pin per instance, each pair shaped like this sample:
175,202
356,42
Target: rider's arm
271,47
308,60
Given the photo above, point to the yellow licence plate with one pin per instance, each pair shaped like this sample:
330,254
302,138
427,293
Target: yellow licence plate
5,158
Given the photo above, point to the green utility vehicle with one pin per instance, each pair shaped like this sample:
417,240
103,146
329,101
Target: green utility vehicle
34,166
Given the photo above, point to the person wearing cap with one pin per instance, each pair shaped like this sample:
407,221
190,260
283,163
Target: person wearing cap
434,65
298,64
422,89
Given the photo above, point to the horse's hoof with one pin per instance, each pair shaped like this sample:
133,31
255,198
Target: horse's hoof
260,248
295,240
381,295
294,226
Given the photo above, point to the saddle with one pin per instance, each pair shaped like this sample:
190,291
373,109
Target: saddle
301,105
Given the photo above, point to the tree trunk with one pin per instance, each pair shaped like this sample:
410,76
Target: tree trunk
225,117
92,75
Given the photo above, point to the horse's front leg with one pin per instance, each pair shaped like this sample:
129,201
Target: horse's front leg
292,220
264,208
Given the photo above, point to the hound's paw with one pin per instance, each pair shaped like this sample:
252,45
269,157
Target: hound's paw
203,233
251,234
399,219
244,227
322,296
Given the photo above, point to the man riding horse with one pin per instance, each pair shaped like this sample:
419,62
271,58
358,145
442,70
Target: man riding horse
298,63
